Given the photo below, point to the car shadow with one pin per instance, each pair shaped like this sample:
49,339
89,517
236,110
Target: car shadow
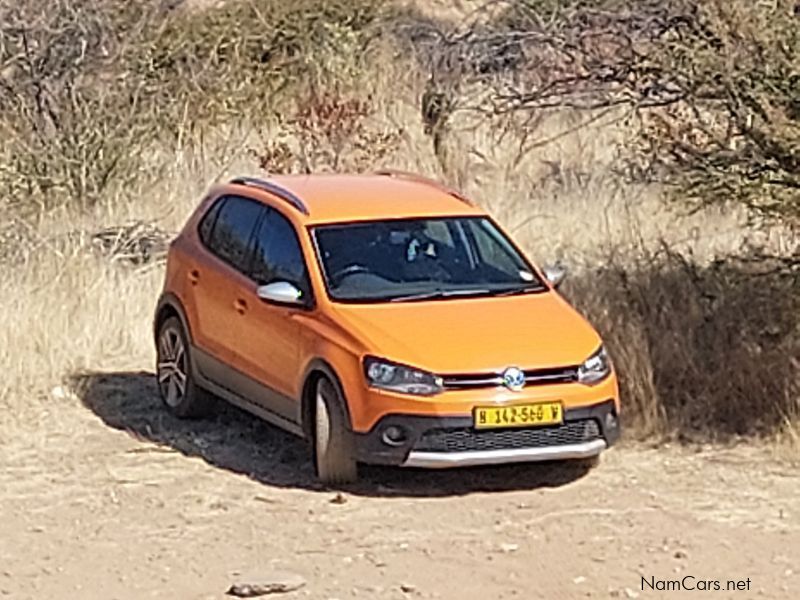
241,443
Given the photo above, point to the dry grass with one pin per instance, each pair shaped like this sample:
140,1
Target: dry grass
66,308
65,313
703,347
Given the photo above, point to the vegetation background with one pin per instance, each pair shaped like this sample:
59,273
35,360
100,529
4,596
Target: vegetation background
652,146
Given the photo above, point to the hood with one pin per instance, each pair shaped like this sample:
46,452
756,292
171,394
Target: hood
473,335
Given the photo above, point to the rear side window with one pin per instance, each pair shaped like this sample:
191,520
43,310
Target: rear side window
232,231
277,255
207,223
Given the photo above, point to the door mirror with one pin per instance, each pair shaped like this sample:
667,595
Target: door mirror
281,292
555,274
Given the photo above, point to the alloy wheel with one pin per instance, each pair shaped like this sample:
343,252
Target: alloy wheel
171,366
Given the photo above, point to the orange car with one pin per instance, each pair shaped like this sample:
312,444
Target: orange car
383,317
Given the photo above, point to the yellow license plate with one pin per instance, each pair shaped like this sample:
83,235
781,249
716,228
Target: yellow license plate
519,415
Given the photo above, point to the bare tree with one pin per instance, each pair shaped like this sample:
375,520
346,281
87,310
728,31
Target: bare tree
68,120
714,84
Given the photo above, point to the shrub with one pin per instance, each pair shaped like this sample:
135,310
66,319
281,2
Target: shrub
703,351
68,115
328,131
89,88
730,132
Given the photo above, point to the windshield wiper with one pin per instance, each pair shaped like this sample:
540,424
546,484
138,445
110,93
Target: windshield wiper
439,294
528,289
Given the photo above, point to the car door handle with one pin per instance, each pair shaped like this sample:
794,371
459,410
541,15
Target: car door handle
240,306
194,276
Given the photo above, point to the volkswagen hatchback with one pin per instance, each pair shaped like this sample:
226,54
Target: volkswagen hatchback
383,317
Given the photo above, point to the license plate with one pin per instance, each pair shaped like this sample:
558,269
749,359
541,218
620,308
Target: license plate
519,415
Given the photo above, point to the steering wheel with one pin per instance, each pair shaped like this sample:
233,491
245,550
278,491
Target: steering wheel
349,270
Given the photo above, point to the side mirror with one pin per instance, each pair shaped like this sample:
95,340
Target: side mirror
555,274
281,292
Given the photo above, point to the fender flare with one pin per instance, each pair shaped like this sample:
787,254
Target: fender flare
323,367
170,303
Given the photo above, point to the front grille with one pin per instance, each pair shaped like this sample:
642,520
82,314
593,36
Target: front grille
488,380
465,439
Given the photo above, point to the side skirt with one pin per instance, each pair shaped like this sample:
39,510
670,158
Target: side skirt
220,379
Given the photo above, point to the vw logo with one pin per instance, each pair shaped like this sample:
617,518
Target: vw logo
514,379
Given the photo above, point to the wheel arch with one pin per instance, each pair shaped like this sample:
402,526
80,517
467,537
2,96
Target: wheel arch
317,369
169,305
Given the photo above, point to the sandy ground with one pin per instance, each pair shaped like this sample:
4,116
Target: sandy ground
111,498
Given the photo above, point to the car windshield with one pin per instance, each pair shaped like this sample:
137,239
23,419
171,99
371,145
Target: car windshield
419,259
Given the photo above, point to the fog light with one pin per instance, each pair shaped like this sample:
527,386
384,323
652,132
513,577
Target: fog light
393,436
611,421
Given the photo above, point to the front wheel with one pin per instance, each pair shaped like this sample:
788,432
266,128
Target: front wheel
334,455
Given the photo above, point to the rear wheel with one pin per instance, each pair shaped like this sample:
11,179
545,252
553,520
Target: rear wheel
334,455
176,384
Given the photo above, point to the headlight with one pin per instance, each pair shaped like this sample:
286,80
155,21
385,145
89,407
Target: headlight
397,378
595,368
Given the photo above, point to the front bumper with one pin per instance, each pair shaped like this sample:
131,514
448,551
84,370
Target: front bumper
444,460
442,442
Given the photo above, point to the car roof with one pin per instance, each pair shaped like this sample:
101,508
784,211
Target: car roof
334,198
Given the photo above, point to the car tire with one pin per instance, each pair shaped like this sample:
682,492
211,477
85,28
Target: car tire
334,454
176,384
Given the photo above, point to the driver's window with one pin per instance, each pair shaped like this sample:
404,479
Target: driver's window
277,255
493,250
438,232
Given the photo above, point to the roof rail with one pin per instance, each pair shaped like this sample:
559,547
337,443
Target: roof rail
274,189
408,176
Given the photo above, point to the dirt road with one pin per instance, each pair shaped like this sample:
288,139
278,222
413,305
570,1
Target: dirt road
110,498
